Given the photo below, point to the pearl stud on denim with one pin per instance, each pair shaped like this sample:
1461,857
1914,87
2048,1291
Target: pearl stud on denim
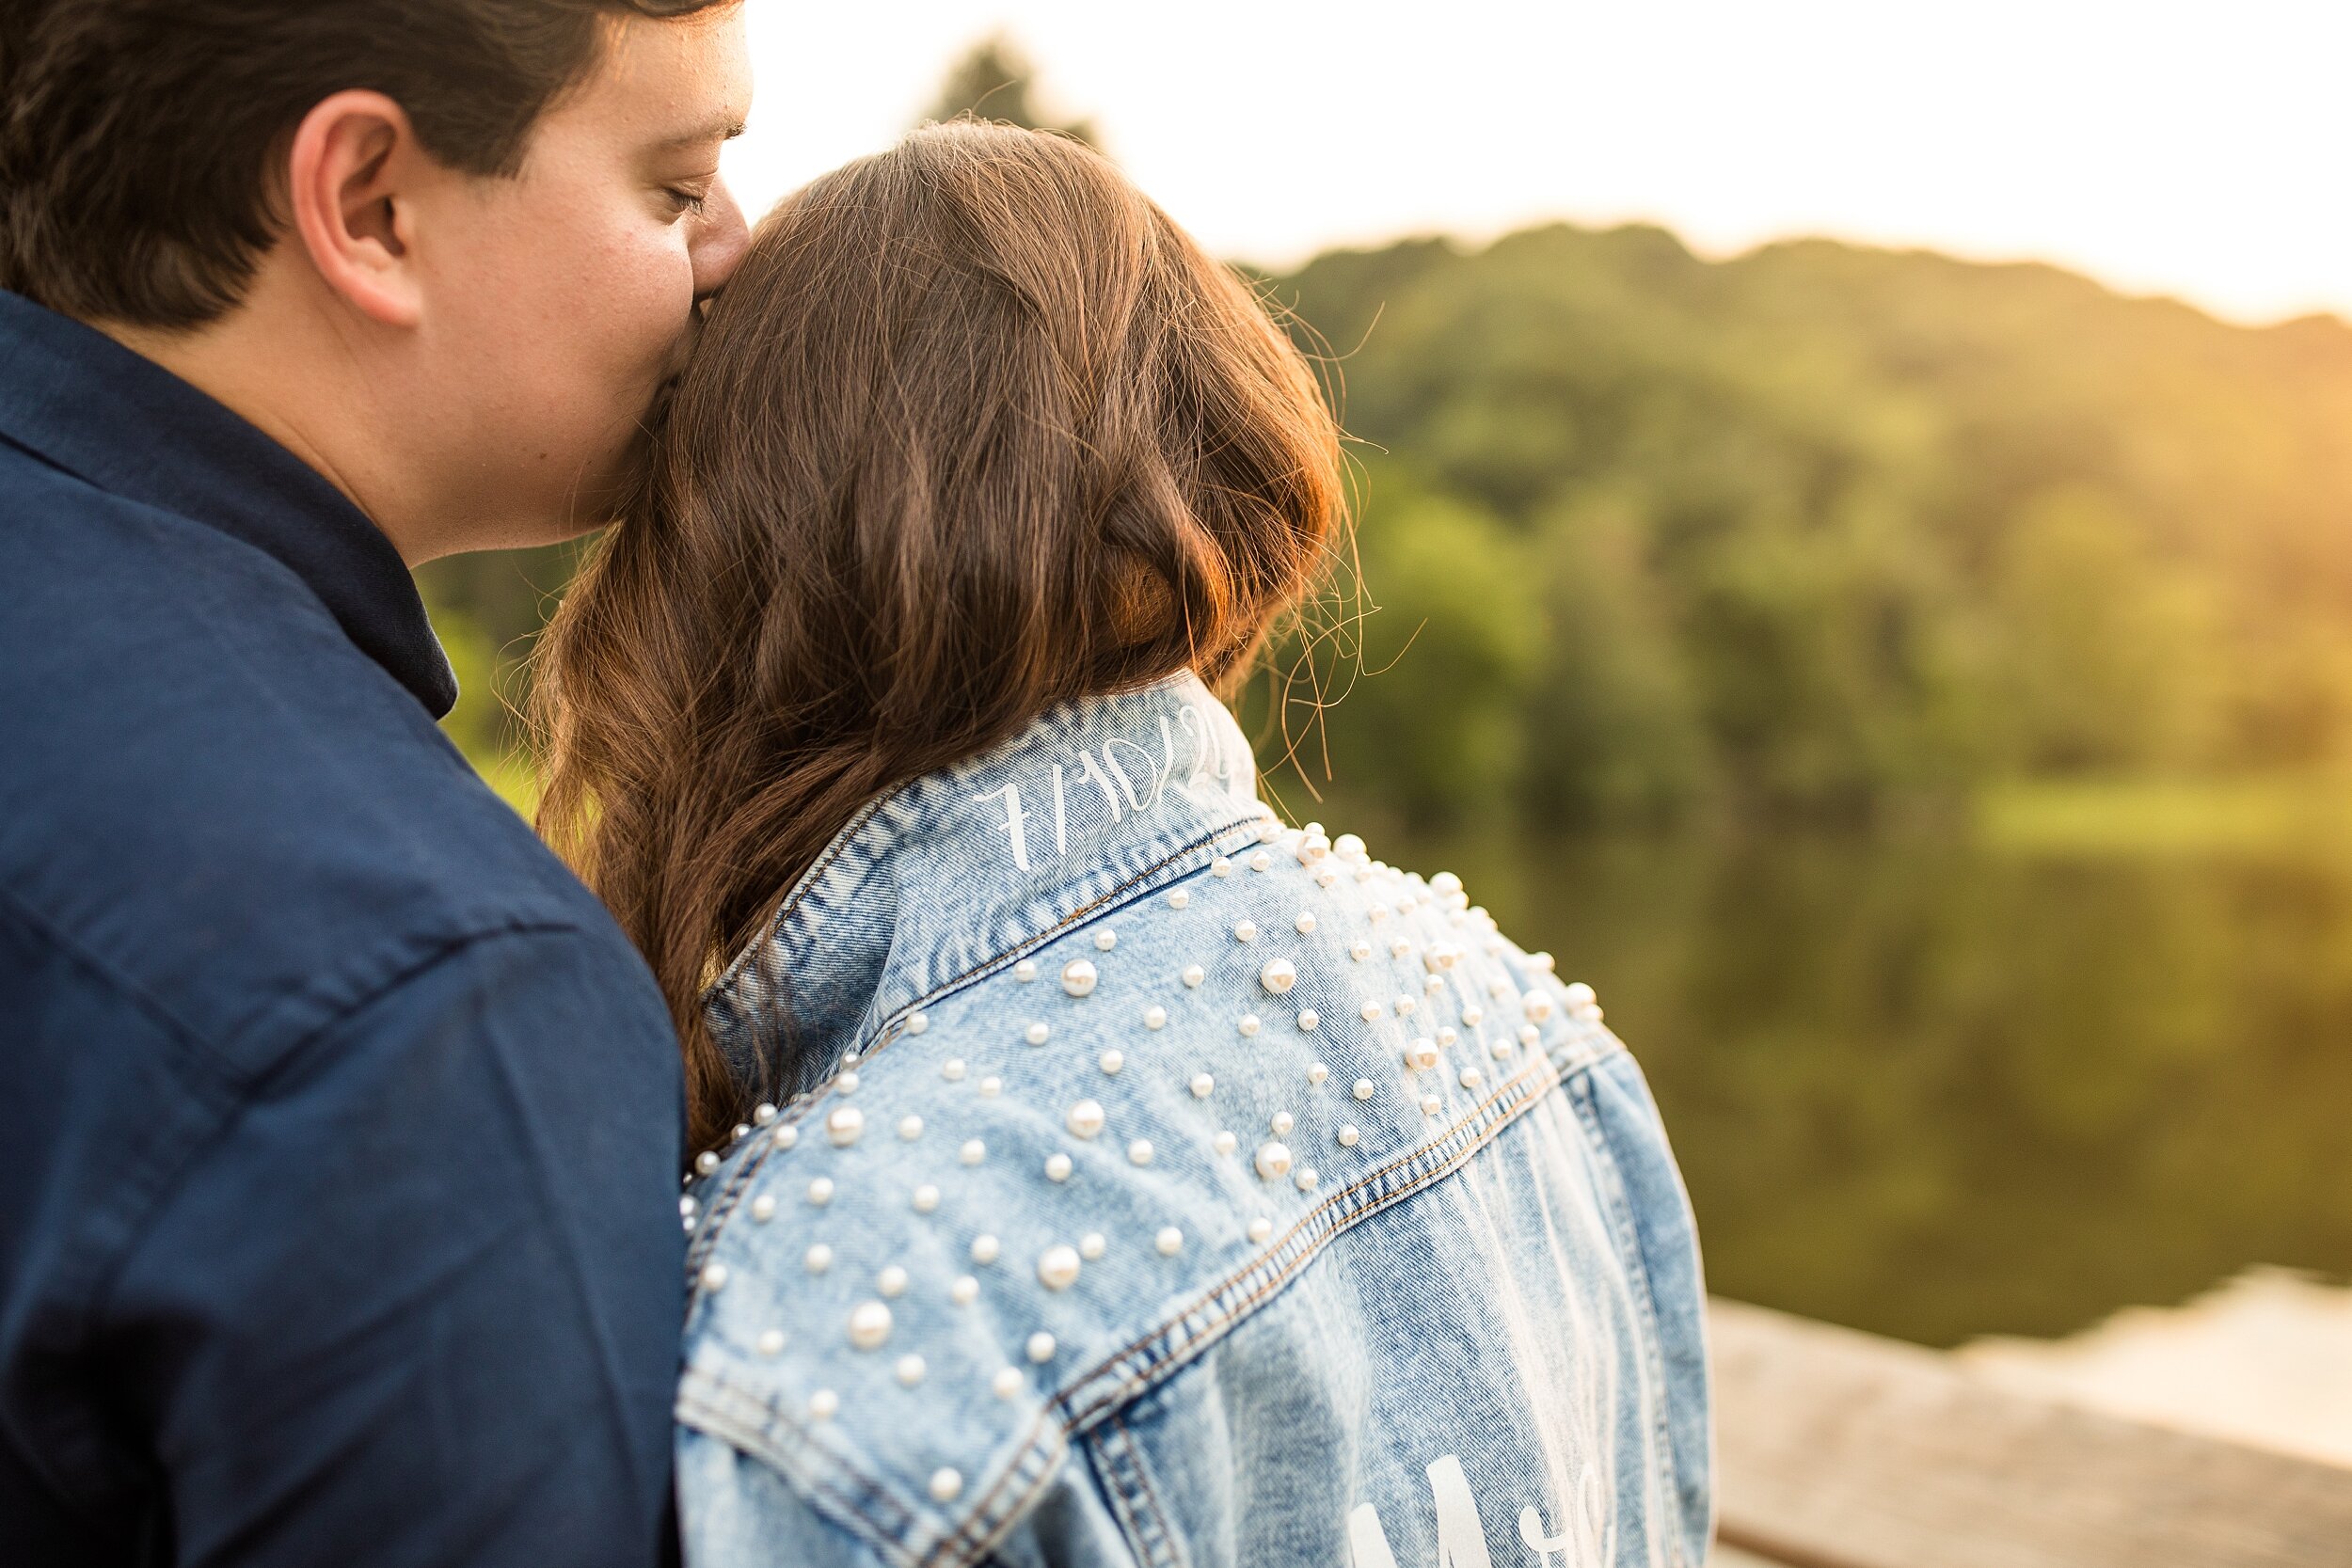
869,1324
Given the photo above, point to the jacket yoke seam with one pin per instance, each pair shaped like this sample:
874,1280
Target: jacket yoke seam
723,1204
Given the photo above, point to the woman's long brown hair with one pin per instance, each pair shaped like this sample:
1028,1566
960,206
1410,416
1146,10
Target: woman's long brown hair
974,430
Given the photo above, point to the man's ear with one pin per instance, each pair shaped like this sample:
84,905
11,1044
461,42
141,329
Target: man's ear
347,173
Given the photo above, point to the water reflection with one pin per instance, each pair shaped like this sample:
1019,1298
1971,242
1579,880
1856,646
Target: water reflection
1935,1092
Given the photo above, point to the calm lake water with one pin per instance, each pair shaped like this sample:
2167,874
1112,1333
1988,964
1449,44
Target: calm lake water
1937,1091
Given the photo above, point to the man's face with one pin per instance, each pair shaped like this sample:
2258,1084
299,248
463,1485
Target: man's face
561,301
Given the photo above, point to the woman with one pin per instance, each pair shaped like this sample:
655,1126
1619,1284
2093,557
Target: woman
1153,1183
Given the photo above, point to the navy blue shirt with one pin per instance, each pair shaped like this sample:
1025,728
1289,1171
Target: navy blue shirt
339,1125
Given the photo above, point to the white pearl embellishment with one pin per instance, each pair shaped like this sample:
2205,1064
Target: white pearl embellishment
1169,1242
1348,1136
1057,1267
910,1370
1155,1017
1006,1383
1025,972
892,1281
1036,1034
1274,1160
843,1124
821,1192
1194,974
946,1484
869,1324
1278,975
1084,1119
926,1199
1057,1167
984,1249
1040,1346
1078,978
1203,1084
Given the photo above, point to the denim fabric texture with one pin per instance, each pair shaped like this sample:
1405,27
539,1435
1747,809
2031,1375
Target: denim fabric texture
1178,1188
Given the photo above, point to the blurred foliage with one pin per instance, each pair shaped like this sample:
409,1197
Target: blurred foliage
1821,531
993,80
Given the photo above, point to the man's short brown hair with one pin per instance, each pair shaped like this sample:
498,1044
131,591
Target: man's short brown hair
136,135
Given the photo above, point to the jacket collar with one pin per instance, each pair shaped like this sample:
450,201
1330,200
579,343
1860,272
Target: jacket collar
962,871
119,422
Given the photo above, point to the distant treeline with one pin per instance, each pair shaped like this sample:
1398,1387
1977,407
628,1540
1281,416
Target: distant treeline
1817,530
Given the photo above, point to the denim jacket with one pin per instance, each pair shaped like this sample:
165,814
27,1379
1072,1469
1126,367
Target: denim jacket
1178,1189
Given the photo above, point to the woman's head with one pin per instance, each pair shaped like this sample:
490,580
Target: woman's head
975,428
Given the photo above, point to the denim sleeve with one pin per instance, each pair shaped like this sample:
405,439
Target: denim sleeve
419,1302
738,1513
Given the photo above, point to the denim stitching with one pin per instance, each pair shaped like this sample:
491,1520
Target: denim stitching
1645,1301
1473,1132
721,1205
1004,1503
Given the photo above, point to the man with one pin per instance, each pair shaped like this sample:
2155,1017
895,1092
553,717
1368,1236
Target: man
338,1127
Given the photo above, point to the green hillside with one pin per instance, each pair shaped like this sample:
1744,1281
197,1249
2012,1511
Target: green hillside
1817,528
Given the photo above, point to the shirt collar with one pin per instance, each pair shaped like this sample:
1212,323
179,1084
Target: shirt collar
945,878
118,421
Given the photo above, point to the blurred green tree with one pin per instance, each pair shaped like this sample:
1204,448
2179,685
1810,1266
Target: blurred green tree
994,80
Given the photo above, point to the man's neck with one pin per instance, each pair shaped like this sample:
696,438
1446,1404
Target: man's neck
236,364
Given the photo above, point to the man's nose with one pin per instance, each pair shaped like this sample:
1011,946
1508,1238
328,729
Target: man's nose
722,238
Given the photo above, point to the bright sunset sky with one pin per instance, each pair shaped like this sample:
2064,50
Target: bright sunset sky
2197,150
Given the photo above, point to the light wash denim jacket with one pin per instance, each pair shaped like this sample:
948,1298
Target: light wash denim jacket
1179,1189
